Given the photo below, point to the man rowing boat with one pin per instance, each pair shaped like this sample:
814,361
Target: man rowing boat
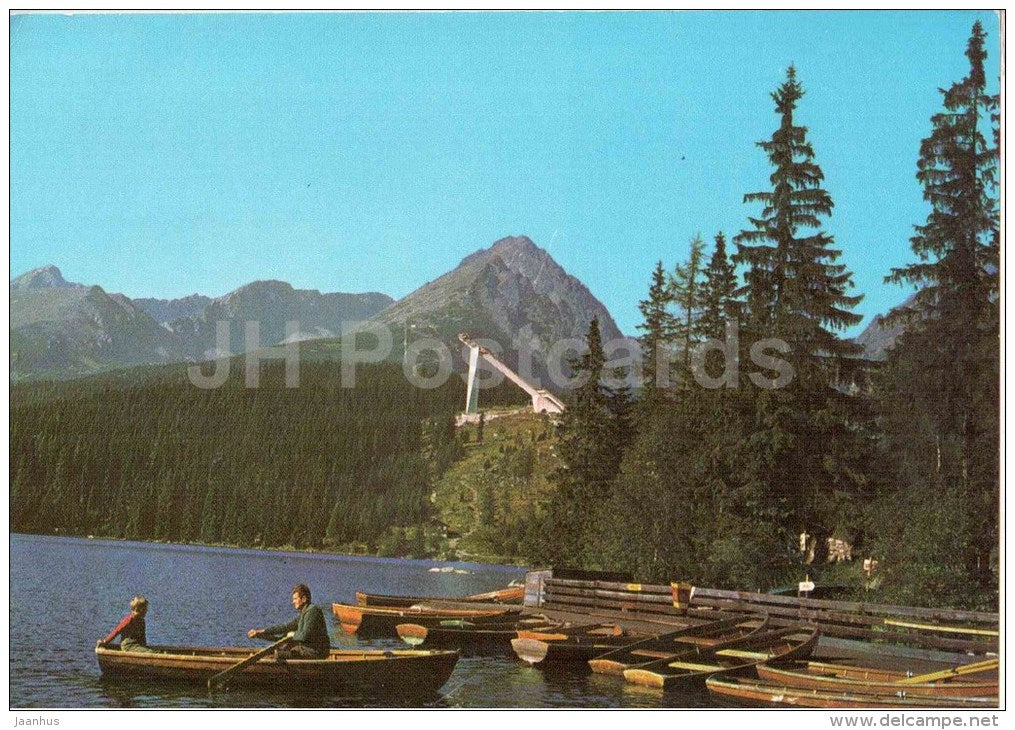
308,631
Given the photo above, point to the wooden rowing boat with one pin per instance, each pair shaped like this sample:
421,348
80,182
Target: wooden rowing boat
756,692
356,672
578,650
574,645
381,621
474,640
511,594
867,680
786,644
677,642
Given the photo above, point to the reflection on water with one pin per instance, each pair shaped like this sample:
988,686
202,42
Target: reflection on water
140,693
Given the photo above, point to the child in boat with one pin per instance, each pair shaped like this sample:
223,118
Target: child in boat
131,629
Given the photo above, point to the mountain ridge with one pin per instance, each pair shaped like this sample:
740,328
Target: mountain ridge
44,277
511,293
61,329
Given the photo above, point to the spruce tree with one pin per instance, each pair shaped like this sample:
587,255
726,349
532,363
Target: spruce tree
686,293
794,289
945,368
958,171
590,458
957,275
718,299
658,327
716,359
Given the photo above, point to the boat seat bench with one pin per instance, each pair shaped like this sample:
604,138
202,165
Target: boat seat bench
653,654
698,640
691,666
741,654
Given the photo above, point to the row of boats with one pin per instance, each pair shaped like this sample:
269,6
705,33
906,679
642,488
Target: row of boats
742,658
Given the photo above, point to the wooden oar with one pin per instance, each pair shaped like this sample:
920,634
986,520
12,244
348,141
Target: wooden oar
222,677
974,668
944,629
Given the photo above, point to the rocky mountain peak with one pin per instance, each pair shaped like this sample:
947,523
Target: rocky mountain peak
512,293
512,250
45,277
263,286
516,246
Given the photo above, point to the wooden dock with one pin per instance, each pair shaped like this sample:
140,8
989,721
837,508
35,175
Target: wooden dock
877,633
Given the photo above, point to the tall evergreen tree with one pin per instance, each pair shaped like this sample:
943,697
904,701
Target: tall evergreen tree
686,293
718,298
958,171
956,305
590,458
794,288
945,368
658,327
795,291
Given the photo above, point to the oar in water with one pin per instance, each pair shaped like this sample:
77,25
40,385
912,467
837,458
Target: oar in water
958,671
222,677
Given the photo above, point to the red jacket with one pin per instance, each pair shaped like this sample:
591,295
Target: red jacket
131,627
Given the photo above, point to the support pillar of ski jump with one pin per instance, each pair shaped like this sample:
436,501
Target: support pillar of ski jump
472,387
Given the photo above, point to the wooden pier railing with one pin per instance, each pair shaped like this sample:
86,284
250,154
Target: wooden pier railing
949,630
967,631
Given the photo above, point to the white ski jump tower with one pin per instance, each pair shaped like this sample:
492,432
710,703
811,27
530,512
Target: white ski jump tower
543,401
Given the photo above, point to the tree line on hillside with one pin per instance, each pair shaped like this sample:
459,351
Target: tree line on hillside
710,476
155,458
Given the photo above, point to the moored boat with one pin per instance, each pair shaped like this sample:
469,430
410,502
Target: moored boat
511,594
757,692
571,645
356,672
786,644
867,680
381,621
677,642
474,639
574,650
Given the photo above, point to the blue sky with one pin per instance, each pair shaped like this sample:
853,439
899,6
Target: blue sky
162,155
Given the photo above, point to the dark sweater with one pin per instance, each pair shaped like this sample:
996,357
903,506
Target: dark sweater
309,628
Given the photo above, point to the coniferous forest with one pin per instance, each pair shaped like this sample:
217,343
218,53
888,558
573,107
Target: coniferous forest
756,433
721,474
156,458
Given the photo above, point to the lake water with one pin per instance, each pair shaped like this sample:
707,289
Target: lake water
67,592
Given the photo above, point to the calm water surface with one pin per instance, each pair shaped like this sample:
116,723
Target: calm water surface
66,593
